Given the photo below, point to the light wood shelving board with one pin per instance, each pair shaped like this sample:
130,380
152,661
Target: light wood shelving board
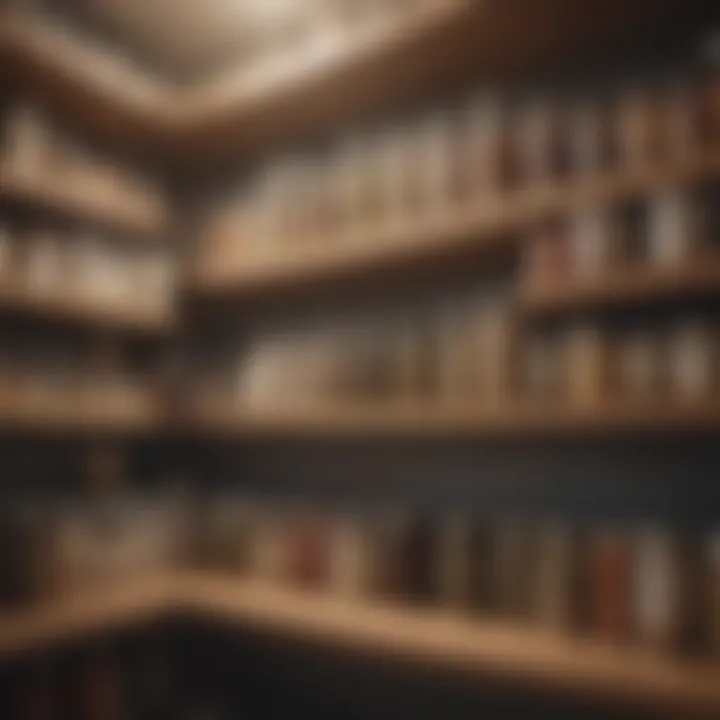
89,312
45,411
462,232
443,640
445,420
622,287
250,111
525,656
491,649
77,199
75,616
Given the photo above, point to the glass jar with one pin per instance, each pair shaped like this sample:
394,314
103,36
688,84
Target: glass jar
638,129
675,229
693,361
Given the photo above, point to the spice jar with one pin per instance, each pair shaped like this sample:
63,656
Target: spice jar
639,366
639,135
543,367
515,565
549,253
44,264
480,152
588,365
679,120
693,359
713,609
26,143
268,561
596,242
455,563
498,372
537,148
435,145
589,141
309,551
658,591
675,229
611,575
555,577
350,570
7,251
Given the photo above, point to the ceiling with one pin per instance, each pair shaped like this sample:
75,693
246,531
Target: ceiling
181,38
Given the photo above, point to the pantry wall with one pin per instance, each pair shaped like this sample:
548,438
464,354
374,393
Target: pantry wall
284,362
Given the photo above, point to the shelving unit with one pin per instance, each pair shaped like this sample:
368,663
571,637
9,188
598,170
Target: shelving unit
622,287
76,616
77,199
445,44
87,312
45,411
443,420
490,649
460,232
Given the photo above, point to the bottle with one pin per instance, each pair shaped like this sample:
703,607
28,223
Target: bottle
675,229
555,586
589,142
611,575
588,364
693,361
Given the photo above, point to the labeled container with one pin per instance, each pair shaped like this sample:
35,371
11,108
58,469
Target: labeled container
596,242
351,558
455,571
556,577
537,143
675,229
481,152
693,361
638,128
516,567
588,365
640,366
658,590
589,141
611,586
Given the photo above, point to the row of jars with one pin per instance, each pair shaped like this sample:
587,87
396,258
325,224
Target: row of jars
48,550
477,356
647,584
83,266
670,229
587,363
32,149
42,371
423,169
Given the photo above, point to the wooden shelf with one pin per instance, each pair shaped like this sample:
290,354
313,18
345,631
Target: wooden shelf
102,314
433,638
47,411
457,234
77,199
440,420
76,616
442,46
622,287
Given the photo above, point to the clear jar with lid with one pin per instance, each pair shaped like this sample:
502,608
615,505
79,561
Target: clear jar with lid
588,364
549,252
435,160
589,140
7,253
640,375
675,228
543,367
639,132
45,264
555,578
611,565
657,590
537,143
597,239
26,142
679,118
480,161
693,353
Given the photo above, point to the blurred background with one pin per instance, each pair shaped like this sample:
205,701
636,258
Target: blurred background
359,358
